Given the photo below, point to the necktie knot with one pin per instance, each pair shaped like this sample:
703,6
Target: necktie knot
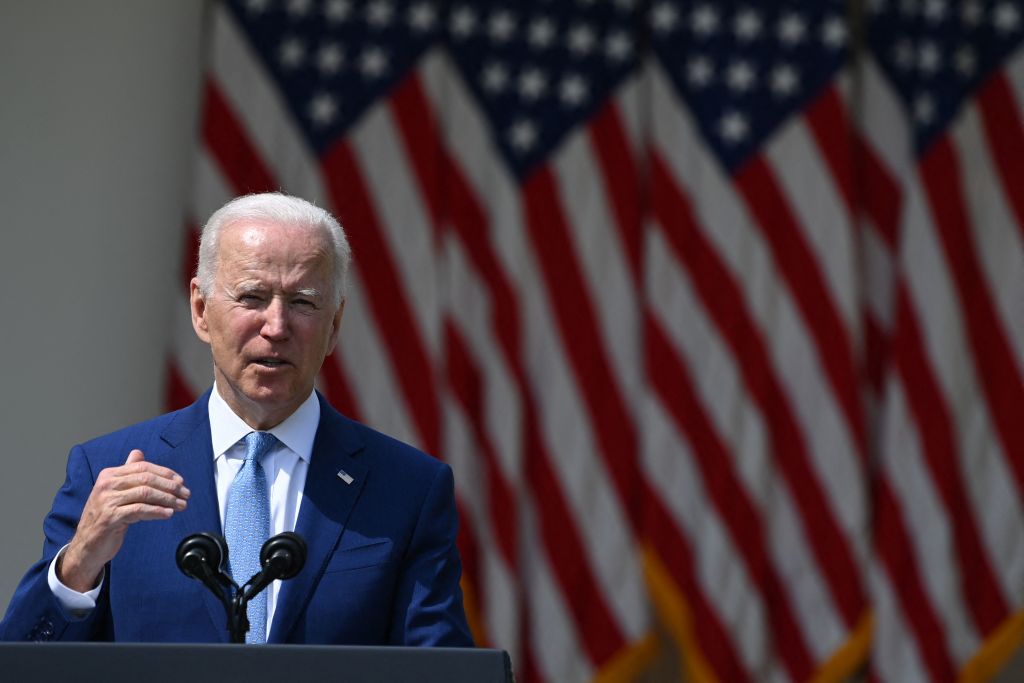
258,444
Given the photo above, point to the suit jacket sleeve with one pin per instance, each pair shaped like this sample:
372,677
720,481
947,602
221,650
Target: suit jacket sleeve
428,607
34,613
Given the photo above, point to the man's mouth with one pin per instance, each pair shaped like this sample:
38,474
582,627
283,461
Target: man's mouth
270,362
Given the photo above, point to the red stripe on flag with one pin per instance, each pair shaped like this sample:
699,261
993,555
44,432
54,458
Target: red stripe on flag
876,353
994,360
894,544
670,379
801,271
565,549
421,137
177,393
938,447
724,302
527,672
225,136
468,387
599,632
472,227
391,309
337,389
827,119
581,338
621,180
881,195
191,256
587,605
715,641
1005,135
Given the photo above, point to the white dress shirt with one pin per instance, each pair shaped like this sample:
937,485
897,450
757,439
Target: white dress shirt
285,467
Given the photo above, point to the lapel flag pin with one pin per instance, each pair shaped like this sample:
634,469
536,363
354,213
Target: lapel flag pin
345,476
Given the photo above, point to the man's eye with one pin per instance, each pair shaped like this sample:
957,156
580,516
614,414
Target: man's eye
249,299
304,303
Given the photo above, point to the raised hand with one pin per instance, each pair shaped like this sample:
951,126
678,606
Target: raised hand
133,492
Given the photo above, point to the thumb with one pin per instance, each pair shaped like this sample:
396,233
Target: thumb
134,456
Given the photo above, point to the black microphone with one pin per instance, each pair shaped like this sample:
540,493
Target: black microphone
282,557
203,556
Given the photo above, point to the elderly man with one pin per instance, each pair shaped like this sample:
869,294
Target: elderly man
259,453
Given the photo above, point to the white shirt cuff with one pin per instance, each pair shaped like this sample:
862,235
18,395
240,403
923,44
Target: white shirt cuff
76,604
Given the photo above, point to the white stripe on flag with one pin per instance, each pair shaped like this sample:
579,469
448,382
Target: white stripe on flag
268,122
403,215
894,657
602,257
469,309
820,211
362,353
927,521
497,581
995,233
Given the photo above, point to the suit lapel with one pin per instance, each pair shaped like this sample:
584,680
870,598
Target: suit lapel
327,501
191,456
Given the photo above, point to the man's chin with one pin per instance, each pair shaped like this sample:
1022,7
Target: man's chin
270,391
266,406
271,395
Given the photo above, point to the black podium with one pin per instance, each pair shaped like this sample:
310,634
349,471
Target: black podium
166,663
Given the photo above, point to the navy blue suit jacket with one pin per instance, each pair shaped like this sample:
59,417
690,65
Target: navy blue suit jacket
382,566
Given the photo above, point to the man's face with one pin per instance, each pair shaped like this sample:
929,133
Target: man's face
269,318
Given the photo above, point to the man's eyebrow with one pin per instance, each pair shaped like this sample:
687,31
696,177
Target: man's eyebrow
249,286
255,287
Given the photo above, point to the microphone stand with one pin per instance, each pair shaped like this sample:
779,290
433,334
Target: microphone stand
235,603
203,556
238,616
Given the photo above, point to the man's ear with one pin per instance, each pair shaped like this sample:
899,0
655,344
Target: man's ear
335,328
198,305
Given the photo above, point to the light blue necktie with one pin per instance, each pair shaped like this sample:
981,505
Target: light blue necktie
247,526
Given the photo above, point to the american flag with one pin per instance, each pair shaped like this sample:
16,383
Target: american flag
944,141
716,341
755,434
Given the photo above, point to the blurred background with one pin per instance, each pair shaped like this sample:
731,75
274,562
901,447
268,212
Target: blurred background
715,308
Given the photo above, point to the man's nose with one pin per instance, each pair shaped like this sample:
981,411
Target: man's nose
275,319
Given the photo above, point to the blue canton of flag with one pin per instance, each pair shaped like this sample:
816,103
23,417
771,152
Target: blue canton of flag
937,53
540,69
743,68
335,59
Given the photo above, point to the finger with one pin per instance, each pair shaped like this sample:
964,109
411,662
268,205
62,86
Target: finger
141,466
149,495
140,512
151,480
137,457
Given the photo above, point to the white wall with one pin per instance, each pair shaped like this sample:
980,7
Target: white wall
98,109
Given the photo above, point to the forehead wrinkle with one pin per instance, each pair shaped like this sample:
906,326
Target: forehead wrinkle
296,260
264,266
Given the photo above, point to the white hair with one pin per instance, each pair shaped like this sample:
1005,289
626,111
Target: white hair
279,209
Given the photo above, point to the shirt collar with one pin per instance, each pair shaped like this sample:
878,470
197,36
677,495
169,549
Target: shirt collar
297,432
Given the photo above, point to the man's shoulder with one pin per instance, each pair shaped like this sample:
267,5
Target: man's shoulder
365,441
143,435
